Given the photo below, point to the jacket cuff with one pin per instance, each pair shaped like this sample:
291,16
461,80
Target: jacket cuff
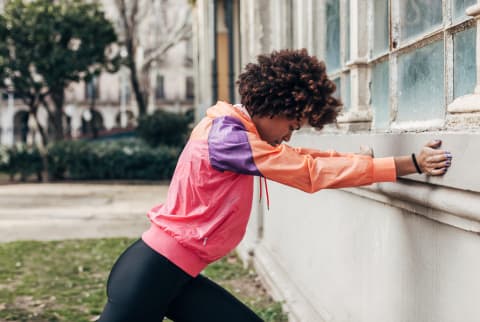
384,170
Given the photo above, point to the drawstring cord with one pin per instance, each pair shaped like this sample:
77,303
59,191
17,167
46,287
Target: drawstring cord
266,191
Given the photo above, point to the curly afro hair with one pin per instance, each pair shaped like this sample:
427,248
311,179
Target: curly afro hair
289,83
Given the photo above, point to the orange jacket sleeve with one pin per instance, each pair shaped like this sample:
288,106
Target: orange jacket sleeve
312,170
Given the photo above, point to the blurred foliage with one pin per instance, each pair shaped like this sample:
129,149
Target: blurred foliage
45,45
119,159
21,160
126,159
166,128
152,156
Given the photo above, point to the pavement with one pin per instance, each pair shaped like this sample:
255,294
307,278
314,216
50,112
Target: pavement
55,211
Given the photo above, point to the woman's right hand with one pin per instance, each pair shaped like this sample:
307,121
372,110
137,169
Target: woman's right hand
432,160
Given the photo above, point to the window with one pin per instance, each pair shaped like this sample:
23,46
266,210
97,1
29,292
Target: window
159,87
420,58
92,89
464,73
459,7
189,92
337,47
282,22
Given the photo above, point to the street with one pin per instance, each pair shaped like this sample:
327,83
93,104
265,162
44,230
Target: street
57,211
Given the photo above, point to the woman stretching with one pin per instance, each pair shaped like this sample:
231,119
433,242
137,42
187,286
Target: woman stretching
210,195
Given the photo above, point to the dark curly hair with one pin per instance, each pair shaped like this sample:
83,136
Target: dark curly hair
290,83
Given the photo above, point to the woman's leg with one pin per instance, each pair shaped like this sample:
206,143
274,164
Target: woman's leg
141,285
203,300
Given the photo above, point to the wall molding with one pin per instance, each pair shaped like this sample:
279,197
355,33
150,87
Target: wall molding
454,207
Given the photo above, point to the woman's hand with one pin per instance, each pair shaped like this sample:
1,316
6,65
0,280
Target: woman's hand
366,150
433,161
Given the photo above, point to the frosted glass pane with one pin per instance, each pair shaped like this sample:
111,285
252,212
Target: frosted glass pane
381,95
419,16
347,101
459,7
464,67
380,27
347,31
421,84
333,35
338,89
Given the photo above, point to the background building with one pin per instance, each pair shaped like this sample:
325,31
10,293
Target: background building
407,72
171,86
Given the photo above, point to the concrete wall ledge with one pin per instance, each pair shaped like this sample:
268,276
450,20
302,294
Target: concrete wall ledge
282,288
458,208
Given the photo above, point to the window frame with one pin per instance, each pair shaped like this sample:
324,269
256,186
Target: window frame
396,48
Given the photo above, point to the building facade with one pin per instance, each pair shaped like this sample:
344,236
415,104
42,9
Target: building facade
171,81
407,72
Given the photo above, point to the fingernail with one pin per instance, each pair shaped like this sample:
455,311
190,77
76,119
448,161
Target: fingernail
448,163
437,140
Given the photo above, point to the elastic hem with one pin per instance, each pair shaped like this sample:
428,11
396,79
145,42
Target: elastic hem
164,244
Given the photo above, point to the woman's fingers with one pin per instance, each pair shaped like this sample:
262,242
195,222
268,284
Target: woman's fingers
438,157
434,144
437,172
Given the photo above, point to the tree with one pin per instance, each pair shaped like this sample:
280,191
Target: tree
169,23
45,45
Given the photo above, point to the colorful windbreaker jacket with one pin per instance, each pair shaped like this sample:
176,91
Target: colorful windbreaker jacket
210,196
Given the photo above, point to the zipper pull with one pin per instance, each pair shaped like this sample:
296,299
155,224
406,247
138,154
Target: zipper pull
205,241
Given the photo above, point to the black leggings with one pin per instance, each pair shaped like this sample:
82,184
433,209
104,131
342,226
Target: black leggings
144,286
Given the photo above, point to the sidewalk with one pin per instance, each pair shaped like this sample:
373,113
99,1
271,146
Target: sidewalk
76,210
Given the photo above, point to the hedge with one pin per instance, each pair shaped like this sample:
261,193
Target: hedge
129,159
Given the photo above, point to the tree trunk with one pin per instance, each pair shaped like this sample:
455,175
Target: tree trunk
139,95
40,128
43,176
58,100
146,84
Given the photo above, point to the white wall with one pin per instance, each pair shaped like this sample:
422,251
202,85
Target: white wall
373,254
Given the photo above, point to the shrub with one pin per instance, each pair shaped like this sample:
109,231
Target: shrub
119,159
162,127
21,159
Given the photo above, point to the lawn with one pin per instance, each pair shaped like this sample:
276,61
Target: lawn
65,280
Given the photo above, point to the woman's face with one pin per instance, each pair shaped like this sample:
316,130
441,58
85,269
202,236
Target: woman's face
277,129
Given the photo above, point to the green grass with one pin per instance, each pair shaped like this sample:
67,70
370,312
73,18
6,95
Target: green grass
65,280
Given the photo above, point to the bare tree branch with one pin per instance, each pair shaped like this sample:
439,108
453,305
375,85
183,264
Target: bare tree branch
155,27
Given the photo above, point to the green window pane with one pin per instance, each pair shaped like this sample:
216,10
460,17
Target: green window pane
419,17
333,35
421,84
380,27
464,67
459,7
380,93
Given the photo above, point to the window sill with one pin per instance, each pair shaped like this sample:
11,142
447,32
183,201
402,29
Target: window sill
355,116
465,104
